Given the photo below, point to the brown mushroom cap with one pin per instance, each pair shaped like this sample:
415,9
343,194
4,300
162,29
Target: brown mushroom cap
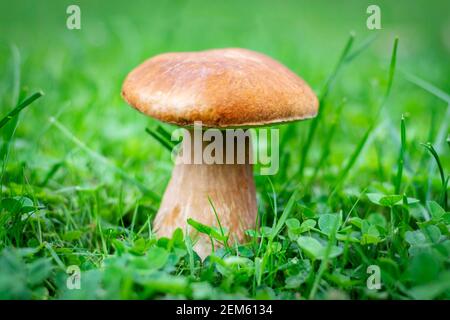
220,87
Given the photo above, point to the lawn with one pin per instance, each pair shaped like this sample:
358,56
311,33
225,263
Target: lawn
359,208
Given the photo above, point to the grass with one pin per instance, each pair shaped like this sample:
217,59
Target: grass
355,155
364,184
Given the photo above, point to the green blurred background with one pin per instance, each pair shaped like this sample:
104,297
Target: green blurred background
82,155
81,72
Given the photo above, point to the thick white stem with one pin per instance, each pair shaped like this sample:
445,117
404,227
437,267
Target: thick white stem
231,189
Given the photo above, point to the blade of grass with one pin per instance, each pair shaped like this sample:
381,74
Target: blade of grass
391,72
9,131
427,86
55,256
25,103
324,263
218,221
51,173
286,212
346,57
322,98
361,48
400,162
273,203
354,206
190,250
443,130
98,222
158,137
100,158
444,180
133,221
164,133
341,178
275,231
327,143
444,126
211,232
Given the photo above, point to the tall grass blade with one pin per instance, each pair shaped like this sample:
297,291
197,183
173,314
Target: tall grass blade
286,212
346,57
322,98
8,133
444,180
401,157
324,263
164,133
100,158
14,112
158,137
361,48
327,144
217,219
341,178
427,86
275,231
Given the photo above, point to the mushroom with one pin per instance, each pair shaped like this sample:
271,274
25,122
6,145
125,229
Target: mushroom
221,88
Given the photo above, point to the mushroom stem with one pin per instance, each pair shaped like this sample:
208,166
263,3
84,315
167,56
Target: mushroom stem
230,186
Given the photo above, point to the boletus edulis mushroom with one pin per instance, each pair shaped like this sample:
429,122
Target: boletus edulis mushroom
220,88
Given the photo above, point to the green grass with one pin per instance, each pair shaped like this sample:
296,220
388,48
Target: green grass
365,183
